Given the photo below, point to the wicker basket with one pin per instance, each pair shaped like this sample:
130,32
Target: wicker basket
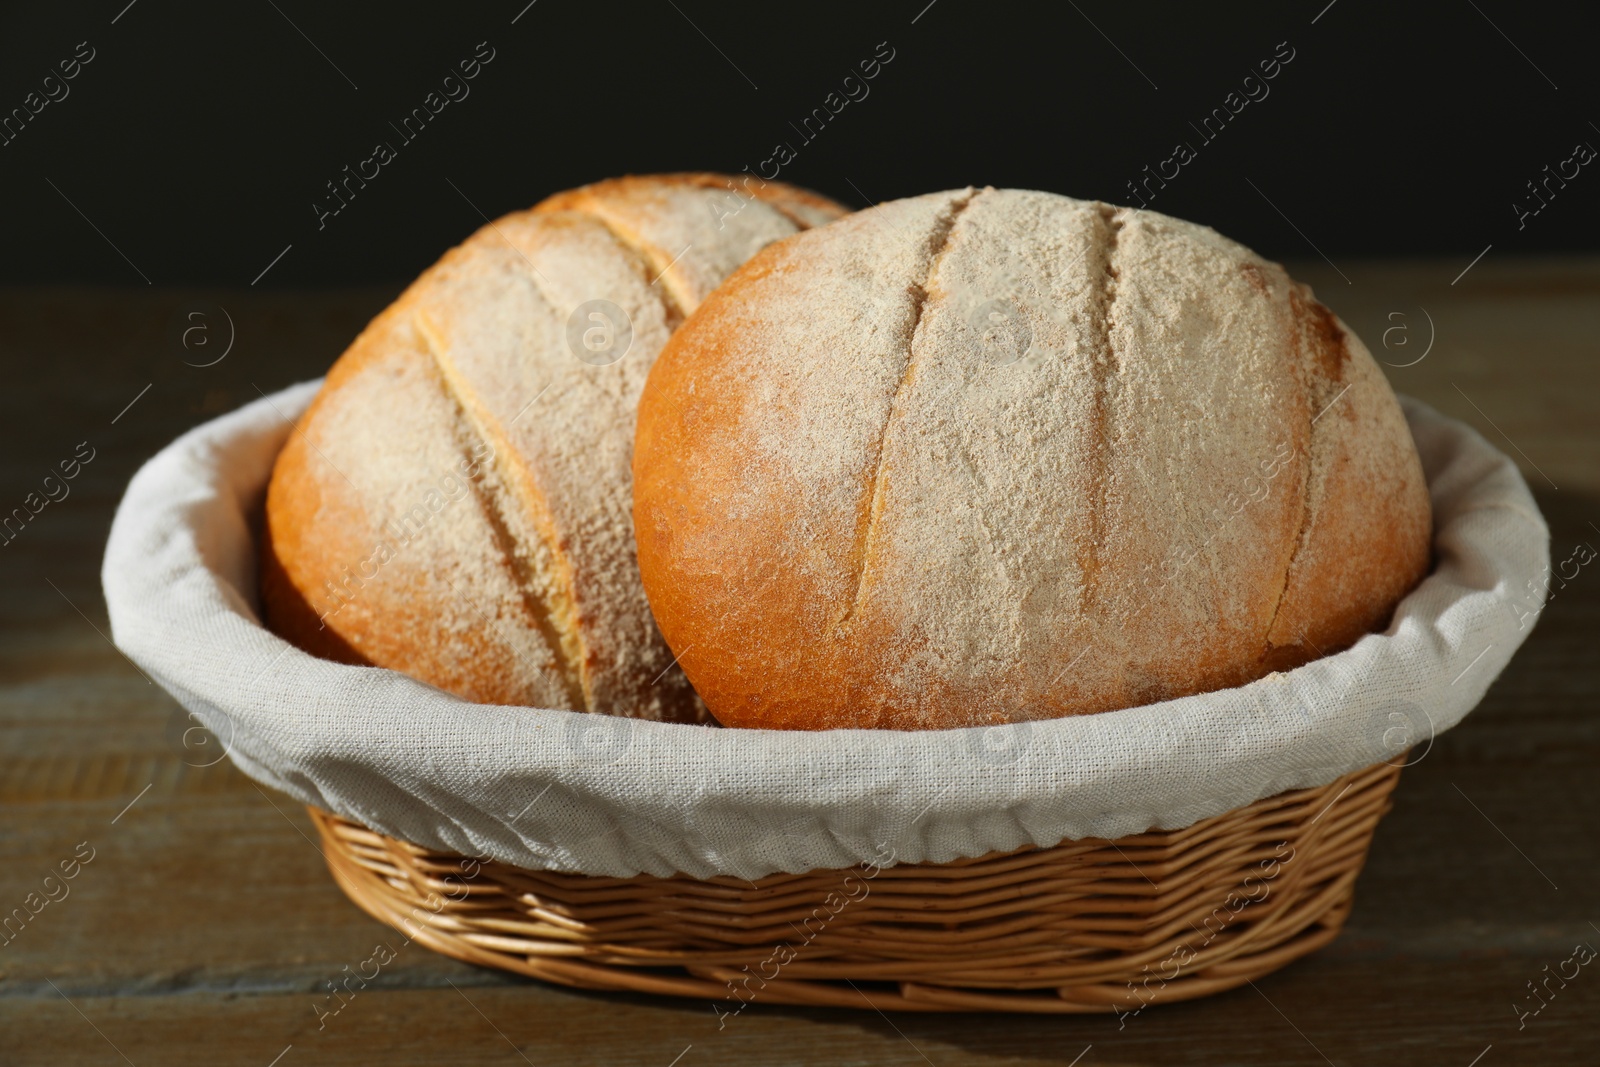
1085,926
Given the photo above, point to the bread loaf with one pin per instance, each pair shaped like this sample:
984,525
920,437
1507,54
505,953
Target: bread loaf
989,456
455,504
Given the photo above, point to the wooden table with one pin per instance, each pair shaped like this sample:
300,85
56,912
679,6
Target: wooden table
204,928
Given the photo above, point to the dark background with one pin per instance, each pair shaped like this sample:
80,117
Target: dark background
200,135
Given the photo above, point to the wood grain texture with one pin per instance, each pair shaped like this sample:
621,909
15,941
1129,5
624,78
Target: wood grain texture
205,927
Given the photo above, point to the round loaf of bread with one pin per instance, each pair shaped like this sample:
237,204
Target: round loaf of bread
456,503
990,456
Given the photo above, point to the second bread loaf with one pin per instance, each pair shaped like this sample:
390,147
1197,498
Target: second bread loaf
456,502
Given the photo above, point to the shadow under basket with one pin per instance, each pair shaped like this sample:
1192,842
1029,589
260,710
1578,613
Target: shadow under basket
1086,926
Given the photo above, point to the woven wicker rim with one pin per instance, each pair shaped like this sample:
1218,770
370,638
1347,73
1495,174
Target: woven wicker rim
1085,926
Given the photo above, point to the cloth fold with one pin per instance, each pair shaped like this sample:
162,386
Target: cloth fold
601,795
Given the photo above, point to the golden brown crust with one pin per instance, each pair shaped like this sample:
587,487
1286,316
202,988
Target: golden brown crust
681,408
408,522
849,514
1367,538
336,580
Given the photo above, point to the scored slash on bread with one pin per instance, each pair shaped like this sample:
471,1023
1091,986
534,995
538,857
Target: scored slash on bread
456,503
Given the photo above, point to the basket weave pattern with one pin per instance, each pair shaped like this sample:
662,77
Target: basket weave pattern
1085,926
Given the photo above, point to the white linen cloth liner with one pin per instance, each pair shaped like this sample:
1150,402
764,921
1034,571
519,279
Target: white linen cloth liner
603,795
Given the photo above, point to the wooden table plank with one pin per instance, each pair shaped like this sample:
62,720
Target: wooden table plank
205,928
1341,1012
